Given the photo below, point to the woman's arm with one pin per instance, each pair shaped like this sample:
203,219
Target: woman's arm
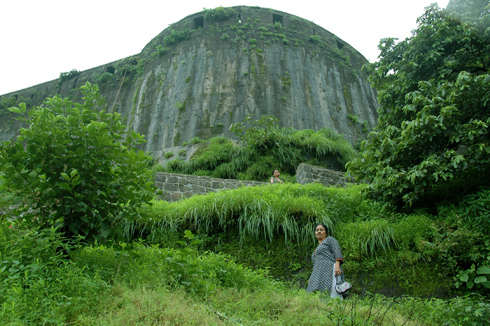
338,271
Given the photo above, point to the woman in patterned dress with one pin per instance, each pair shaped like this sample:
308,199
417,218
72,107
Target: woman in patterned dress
327,260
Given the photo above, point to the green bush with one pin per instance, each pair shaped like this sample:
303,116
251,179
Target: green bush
314,38
196,140
159,51
176,37
64,76
168,154
218,14
38,284
266,148
76,167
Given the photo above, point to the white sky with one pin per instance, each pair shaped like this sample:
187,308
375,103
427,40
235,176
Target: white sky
41,38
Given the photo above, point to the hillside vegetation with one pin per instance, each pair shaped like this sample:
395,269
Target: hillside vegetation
84,240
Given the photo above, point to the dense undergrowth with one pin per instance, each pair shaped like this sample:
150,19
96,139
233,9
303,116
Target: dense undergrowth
138,283
227,272
269,149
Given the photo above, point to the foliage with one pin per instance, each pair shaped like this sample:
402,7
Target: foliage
314,38
103,78
474,277
38,285
434,90
288,211
176,37
218,14
255,131
7,102
64,76
159,51
265,149
76,167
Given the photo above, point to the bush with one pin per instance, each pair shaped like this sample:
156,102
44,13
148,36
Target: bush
218,14
38,284
266,148
175,37
69,75
76,167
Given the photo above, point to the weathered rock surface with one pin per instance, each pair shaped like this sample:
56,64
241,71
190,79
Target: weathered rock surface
307,173
258,61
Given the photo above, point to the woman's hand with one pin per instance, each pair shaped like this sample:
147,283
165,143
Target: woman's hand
337,269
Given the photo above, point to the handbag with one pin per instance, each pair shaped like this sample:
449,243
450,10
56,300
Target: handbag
343,287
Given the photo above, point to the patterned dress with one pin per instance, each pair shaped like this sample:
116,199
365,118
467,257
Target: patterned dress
324,258
276,180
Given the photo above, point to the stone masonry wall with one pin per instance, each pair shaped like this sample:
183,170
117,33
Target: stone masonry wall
306,173
177,186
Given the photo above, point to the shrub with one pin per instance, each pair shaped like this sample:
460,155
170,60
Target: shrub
69,75
176,37
196,140
159,51
218,14
168,154
314,38
76,167
267,148
38,285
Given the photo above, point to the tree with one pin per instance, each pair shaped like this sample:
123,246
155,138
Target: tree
76,167
434,90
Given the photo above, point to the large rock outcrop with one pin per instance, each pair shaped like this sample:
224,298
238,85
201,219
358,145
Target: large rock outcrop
202,74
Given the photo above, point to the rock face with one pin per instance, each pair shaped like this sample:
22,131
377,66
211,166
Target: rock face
306,173
203,73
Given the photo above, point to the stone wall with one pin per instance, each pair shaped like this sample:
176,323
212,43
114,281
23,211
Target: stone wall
177,186
306,173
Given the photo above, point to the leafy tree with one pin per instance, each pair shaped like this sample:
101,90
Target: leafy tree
432,139
76,167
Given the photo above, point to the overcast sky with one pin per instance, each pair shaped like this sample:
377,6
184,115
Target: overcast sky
40,39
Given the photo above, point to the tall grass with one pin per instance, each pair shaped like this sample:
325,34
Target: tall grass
289,211
283,149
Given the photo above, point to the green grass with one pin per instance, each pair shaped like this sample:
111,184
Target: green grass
282,149
227,271
138,284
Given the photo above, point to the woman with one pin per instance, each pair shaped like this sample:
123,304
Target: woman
327,260
275,177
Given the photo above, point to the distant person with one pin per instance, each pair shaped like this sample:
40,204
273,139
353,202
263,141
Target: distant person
275,177
327,260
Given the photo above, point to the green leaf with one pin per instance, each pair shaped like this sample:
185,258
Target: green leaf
65,176
483,270
464,277
480,279
15,110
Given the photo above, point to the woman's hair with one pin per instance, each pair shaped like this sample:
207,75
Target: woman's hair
324,226
275,171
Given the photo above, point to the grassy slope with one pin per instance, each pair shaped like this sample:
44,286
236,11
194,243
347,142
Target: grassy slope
168,279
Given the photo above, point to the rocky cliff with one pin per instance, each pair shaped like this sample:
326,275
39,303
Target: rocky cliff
214,67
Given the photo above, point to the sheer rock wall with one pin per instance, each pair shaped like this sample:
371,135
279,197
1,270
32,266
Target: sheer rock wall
259,62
